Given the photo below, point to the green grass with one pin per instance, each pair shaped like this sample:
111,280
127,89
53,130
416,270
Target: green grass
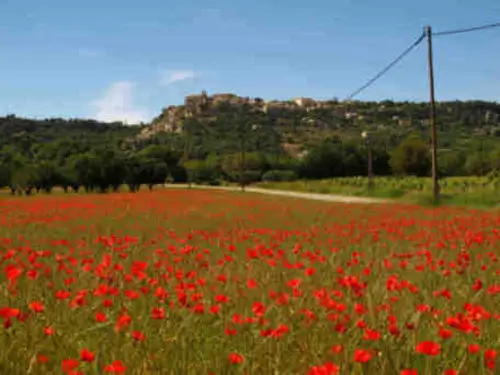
472,192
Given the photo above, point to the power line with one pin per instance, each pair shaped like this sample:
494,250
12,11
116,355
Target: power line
467,30
388,67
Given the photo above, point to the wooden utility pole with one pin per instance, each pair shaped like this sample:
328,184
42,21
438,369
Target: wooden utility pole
366,137
242,161
435,177
370,165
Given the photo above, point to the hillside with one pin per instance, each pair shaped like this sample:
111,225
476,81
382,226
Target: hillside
203,140
27,132
301,122
292,126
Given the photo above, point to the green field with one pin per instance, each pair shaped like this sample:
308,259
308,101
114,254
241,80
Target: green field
211,282
469,191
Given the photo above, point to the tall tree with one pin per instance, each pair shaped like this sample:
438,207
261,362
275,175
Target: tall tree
411,157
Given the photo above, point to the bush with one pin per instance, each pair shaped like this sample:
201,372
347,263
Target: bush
201,172
279,176
178,174
248,177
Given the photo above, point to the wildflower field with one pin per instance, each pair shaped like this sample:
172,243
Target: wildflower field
211,282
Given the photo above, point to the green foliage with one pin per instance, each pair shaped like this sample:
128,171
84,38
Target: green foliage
411,158
495,159
282,162
202,172
279,175
46,176
321,162
467,191
233,164
451,163
250,177
322,141
477,164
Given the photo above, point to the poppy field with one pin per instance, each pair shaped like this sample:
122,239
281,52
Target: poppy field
212,282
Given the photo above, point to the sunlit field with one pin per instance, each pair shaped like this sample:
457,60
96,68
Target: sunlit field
211,282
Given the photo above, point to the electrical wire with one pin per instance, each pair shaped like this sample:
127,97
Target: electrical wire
388,67
467,30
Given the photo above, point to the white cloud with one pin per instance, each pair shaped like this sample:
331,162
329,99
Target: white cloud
117,105
169,77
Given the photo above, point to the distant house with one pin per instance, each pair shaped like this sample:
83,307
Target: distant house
305,102
275,105
226,98
294,150
491,117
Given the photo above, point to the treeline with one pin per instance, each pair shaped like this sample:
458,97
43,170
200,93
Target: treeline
76,164
242,143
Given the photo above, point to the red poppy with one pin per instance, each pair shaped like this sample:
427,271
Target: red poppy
37,307
116,367
326,369
337,349
236,358
69,365
362,356
42,358
87,356
490,358
428,348
138,336
408,372
474,348
100,317
371,335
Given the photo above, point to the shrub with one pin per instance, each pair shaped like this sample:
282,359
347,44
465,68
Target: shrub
248,177
201,172
279,176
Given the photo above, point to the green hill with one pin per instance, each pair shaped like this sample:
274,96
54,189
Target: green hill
204,138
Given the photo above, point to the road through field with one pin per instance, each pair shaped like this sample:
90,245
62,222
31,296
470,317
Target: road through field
284,193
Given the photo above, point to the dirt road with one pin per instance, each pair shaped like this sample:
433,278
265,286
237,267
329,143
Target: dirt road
292,194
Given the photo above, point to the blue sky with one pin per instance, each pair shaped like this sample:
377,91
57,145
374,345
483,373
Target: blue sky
126,60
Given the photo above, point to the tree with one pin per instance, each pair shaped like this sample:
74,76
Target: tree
411,157
495,159
40,154
354,159
477,164
322,161
381,161
133,173
451,163
153,173
112,170
45,176
24,180
87,170
202,172
68,178
253,161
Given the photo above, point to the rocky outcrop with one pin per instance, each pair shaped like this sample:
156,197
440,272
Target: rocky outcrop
169,121
171,118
